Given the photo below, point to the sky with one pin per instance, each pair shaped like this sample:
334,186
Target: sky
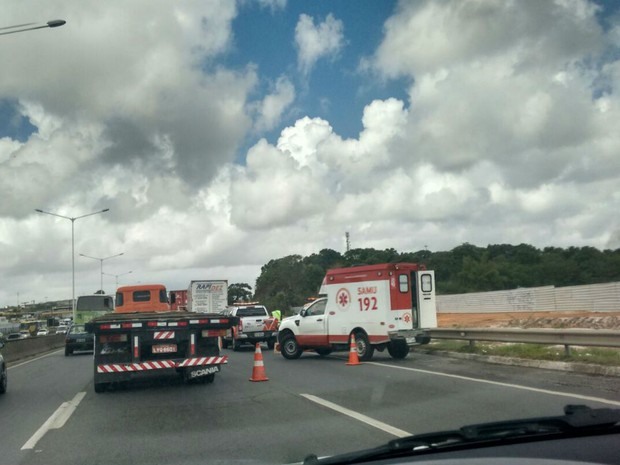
221,135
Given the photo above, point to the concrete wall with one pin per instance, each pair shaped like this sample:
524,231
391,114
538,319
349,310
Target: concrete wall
593,298
23,348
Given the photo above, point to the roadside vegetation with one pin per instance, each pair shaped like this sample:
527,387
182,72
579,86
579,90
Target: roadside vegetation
596,355
289,281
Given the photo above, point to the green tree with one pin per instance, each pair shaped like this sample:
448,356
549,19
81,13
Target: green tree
239,292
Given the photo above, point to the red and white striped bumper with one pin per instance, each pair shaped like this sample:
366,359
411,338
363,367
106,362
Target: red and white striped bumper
160,364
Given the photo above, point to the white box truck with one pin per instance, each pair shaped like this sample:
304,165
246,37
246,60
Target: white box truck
207,296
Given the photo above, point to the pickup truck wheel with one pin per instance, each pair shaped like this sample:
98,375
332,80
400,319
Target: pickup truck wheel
398,349
323,352
290,348
364,349
100,387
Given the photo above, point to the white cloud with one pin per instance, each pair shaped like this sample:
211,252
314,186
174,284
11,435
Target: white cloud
509,133
326,39
271,108
273,5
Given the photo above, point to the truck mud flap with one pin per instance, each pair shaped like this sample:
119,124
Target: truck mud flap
200,375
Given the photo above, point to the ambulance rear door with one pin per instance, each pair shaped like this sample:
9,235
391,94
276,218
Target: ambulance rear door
423,297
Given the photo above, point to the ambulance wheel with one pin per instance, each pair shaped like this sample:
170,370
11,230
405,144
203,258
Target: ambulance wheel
398,349
289,347
364,349
323,352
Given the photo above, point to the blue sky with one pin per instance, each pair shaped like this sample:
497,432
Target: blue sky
336,89
221,135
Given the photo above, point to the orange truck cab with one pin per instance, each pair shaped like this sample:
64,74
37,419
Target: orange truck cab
142,298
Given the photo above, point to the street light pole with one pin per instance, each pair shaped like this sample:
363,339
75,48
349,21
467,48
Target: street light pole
72,219
32,26
101,263
117,275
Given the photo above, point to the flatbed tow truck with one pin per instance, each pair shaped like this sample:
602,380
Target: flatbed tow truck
129,346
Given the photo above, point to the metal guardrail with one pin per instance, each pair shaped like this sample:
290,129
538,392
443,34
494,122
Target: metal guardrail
565,337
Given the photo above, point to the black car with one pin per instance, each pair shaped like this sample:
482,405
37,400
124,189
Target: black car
3,376
78,339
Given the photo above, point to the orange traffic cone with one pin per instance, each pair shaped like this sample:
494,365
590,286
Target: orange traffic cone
258,372
353,358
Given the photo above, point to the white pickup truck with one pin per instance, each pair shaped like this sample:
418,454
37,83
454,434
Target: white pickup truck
255,325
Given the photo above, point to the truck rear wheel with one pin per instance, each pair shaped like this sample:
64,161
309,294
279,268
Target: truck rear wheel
398,349
100,387
364,349
290,348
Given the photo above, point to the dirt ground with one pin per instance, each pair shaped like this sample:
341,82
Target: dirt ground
588,320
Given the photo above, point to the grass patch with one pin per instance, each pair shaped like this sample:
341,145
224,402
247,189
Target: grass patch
596,355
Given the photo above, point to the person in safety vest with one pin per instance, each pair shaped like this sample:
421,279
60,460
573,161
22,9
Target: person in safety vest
277,314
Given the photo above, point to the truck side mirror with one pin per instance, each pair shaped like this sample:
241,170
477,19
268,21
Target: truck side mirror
303,313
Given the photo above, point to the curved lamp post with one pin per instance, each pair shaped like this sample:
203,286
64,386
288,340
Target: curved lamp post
101,262
31,26
72,219
117,275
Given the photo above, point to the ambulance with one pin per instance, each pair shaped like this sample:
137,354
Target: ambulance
387,306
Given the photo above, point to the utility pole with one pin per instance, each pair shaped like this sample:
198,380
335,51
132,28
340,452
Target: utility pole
346,236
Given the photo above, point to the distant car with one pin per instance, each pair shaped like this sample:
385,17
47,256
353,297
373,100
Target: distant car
62,329
42,332
15,336
3,375
78,339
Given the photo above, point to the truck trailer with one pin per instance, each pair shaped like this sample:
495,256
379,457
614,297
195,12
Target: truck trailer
143,338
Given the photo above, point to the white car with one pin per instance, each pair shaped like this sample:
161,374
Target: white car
62,329
42,332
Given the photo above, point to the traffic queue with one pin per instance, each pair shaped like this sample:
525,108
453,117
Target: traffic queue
144,331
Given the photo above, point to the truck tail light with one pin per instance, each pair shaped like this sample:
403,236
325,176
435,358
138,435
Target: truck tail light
112,338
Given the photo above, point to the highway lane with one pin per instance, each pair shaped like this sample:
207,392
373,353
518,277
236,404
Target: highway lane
36,388
272,422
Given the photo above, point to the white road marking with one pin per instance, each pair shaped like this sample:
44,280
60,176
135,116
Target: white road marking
358,416
497,383
56,421
34,359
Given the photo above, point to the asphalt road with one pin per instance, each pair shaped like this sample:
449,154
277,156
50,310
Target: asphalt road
311,405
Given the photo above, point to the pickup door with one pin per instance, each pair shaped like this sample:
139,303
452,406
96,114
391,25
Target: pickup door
313,325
